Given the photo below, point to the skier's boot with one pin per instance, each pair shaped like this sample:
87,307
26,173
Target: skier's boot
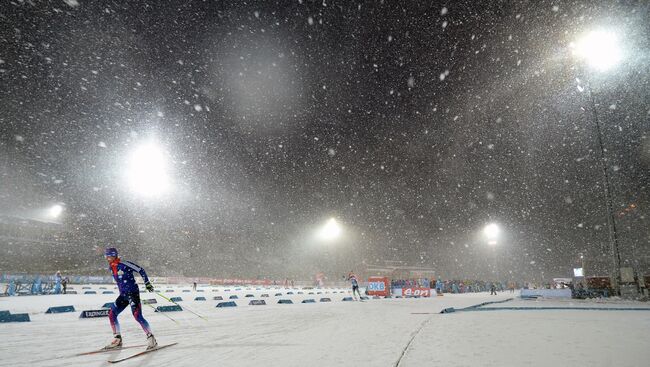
115,344
151,342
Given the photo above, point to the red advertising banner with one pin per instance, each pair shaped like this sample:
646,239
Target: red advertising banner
378,286
414,291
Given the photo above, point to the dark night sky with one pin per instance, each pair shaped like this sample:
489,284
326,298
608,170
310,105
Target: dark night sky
414,124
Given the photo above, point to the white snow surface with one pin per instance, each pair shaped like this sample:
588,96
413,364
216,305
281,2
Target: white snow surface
377,332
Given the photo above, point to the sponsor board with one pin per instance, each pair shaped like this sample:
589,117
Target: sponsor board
94,313
378,286
416,292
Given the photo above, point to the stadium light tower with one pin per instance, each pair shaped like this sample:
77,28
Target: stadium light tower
330,231
491,232
146,172
600,49
55,211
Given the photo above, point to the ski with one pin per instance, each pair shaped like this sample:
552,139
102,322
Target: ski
141,353
103,350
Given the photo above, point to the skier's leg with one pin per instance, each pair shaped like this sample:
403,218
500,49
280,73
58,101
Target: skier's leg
118,306
136,309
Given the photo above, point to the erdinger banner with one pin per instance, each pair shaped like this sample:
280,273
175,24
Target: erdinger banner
94,313
414,291
378,286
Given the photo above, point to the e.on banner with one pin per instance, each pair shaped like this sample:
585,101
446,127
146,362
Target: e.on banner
422,292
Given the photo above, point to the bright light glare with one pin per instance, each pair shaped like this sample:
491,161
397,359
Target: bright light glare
55,211
600,49
492,243
492,231
147,171
330,231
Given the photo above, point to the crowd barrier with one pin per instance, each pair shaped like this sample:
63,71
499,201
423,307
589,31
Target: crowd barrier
546,293
6,316
169,308
60,309
227,304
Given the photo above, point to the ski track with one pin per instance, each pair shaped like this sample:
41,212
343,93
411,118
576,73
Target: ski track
383,332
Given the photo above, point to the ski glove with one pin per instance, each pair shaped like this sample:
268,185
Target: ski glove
149,286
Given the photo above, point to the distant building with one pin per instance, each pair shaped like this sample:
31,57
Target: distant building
399,270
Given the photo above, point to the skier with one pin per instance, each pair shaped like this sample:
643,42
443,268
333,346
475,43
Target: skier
122,271
493,289
355,285
64,284
57,282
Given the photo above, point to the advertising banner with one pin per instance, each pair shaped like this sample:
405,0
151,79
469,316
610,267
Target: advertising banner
378,286
416,292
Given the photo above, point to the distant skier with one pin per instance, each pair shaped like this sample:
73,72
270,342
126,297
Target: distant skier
57,282
439,286
122,271
493,289
64,284
355,284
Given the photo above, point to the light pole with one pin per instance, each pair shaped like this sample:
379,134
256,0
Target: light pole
328,234
146,175
491,232
601,51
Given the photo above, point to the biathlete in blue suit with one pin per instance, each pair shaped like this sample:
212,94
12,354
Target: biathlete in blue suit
123,273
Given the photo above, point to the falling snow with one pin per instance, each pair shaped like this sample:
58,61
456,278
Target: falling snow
413,125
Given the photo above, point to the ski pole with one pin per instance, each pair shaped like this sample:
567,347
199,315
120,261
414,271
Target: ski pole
192,312
164,314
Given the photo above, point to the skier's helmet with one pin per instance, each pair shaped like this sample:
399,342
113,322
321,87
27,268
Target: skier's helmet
110,251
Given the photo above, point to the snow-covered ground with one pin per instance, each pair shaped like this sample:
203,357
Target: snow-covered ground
385,332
